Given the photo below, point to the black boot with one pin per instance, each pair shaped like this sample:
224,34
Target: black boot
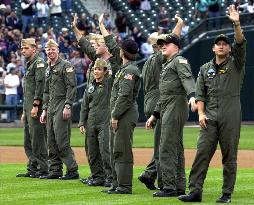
70,175
225,198
165,193
191,197
148,182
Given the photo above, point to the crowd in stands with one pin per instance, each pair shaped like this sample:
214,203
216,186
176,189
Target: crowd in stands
15,26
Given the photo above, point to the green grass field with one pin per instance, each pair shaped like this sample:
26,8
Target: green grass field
36,191
142,138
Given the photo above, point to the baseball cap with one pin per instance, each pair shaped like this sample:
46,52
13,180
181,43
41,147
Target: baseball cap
221,37
168,38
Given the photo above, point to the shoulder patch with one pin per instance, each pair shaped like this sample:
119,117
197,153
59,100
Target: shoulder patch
128,77
40,65
183,61
69,69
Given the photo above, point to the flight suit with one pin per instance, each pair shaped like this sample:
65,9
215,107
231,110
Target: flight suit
176,83
219,87
97,160
151,75
123,108
95,116
60,89
35,136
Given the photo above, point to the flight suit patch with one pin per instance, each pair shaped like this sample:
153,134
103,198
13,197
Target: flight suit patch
91,89
47,73
223,70
211,73
183,61
70,69
40,65
128,77
55,72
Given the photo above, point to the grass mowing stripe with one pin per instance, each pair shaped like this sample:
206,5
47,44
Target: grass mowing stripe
142,138
37,191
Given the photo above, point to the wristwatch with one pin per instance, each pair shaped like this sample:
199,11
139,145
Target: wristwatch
67,106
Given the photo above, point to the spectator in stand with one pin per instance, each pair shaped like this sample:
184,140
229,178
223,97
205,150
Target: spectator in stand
11,65
134,4
12,21
201,9
95,22
185,29
13,39
27,7
247,7
121,24
48,35
11,83
32,32
213,12
145,5
137,36
3,46
80,66
20,71
55,8
147,48
65,49
84,24
64,36
2,89
41,52
66,5
42,11
163,20
107,21
2,63
2,17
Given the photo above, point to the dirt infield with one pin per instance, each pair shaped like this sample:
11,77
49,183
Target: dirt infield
141,156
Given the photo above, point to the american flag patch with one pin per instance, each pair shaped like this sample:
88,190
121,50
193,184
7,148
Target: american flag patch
128,77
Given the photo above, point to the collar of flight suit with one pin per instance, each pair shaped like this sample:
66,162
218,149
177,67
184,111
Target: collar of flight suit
28,63
218,66
57,62
99,83
127,64
172,58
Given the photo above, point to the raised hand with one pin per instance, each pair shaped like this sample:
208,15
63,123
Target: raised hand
233,14
178,19
101,19
75,20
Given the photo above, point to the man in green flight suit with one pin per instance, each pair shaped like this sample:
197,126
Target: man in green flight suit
94,50
176,84
151,75
124,112
35,136
219,109
58,97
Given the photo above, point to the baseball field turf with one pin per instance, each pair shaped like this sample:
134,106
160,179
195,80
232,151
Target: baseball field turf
15,191
142,138
38,191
